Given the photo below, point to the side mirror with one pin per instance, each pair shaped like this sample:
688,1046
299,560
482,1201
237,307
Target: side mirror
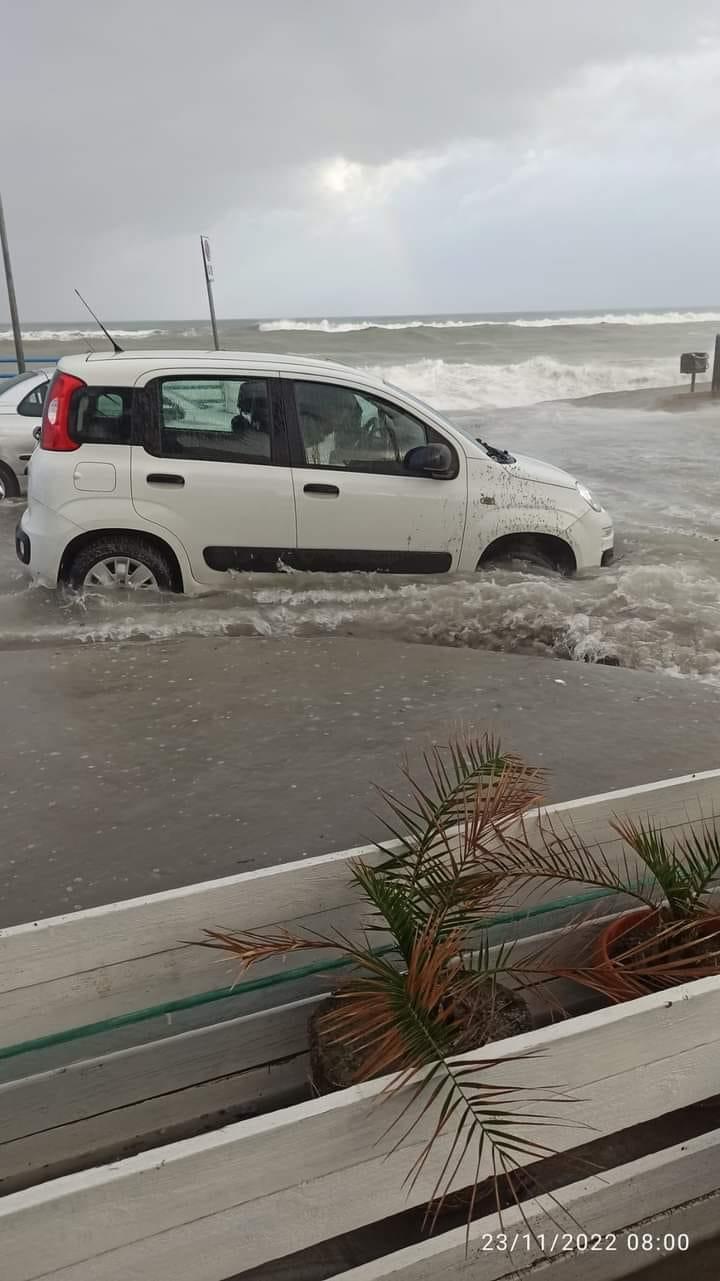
37,432
429,460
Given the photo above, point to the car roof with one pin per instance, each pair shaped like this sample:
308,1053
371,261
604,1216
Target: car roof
126,366
13,390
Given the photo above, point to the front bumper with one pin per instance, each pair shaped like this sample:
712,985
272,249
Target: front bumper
593,540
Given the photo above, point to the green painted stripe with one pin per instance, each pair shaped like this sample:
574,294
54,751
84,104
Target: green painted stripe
254,985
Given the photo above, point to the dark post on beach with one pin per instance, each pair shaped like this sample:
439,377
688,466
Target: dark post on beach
209,277
19,353
716,368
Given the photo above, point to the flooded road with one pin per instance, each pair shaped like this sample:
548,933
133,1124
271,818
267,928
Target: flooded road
656,609
136,767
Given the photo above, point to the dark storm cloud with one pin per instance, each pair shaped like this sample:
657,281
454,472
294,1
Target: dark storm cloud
302,133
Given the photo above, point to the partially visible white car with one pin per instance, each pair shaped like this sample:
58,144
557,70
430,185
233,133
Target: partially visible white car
171,470
21,405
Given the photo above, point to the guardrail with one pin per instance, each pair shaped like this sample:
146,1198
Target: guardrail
29,360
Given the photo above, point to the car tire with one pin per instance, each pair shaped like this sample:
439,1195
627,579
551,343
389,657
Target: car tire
528,552
112,561
9,487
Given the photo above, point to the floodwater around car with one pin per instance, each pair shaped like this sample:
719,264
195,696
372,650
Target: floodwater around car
656,608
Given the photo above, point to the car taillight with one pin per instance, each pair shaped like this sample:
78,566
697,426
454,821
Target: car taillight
55,433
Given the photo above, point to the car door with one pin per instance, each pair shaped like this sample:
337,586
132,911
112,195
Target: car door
358,507
212,468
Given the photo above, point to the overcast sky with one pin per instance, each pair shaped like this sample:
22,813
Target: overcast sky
360,156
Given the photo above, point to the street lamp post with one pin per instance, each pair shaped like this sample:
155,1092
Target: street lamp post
17,335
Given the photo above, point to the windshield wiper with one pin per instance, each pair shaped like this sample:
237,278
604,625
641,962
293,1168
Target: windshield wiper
500,455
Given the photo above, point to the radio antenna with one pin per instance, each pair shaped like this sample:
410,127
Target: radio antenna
115,345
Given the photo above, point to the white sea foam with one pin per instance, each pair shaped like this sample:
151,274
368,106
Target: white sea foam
621,318
357,326
461,385
77,335
532,322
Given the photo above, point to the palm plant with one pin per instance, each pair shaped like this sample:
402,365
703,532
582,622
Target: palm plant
674,937
424,979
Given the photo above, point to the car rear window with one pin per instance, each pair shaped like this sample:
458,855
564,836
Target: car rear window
102,416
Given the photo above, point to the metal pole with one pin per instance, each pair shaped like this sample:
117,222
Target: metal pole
209,274
17,335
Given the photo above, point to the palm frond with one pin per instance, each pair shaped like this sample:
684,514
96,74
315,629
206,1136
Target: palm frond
406,1024
399,910
473,1111
684,869
473,791
558,855
701,853
680,952
468,782
253,946
396,1019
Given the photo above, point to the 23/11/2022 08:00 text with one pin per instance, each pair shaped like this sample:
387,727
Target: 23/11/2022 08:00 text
633,1242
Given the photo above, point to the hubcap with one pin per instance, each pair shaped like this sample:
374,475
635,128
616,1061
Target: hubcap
3,490
123,573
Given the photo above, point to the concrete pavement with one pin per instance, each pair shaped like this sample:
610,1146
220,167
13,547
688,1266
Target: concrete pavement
129,769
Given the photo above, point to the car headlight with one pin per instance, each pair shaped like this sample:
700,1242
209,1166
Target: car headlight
584,493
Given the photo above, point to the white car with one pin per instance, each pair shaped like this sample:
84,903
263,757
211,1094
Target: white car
166,470
21,406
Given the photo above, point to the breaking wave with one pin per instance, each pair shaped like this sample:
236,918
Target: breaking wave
521,322
460,386
357,326
77,335
623,318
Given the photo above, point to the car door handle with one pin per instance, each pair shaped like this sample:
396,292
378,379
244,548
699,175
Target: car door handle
321,489
164,478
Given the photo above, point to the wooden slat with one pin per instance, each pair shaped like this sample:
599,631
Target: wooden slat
263,1188
94,1108
93,965
668,1192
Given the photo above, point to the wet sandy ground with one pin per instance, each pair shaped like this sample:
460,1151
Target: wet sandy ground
134,768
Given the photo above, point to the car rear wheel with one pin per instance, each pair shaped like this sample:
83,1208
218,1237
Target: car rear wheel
121,563
9,487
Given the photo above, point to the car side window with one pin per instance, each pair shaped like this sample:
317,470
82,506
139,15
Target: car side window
218,419
32,404
356,431
102,416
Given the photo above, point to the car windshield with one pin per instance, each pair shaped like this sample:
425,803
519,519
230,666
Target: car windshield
423,405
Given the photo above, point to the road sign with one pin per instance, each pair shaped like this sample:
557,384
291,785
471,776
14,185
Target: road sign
209,277
209,273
